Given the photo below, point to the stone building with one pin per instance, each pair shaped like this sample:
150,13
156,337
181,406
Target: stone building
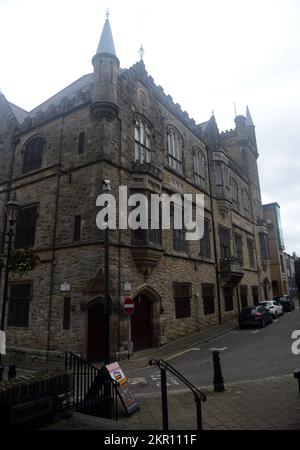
290,274
271,214
117,124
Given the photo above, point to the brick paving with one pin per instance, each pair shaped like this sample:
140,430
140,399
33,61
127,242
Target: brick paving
266,404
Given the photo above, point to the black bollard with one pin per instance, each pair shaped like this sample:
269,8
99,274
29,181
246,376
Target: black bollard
12,372
218,377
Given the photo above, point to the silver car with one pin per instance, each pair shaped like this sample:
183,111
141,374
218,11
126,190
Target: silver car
274,307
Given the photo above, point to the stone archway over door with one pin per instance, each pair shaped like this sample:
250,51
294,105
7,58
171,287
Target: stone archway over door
141,323
95,338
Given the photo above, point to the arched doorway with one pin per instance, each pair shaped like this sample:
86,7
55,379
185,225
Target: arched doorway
95,335
141,323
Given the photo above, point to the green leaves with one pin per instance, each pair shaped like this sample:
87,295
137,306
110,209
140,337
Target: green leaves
20,261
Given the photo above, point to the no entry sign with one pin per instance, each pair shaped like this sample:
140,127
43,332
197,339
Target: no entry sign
128,306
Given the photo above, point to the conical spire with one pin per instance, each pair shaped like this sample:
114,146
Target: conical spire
106,44
249,121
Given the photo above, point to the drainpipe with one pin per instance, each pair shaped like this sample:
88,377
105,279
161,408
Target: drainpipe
214,237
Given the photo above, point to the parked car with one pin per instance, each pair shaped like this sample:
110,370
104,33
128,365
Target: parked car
274,307
286,302
255,316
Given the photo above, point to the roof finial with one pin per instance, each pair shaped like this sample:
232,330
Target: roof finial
141,52
107,13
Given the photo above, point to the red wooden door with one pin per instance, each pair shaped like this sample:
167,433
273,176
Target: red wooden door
141,327
95,342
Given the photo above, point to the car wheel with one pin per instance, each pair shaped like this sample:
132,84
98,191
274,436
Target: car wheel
263,323
275,315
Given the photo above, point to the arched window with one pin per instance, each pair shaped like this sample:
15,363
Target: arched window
246,203
175,159
33,154
142,141
199,167
234,194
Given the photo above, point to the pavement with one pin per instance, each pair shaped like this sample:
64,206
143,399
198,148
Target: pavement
260,393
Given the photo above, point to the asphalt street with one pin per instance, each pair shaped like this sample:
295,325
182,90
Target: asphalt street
245,355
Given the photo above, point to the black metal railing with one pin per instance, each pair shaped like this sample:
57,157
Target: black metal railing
199,396
94,391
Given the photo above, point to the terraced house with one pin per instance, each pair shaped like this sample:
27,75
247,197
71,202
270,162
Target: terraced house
117,124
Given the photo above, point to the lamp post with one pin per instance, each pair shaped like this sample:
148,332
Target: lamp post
106,189
12,209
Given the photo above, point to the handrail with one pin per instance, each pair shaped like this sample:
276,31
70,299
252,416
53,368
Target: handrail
199,396
182,378
92,387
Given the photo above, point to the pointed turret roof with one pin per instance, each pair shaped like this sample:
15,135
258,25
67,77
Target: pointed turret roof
249,121
106,44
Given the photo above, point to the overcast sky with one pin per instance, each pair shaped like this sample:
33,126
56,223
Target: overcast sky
206,54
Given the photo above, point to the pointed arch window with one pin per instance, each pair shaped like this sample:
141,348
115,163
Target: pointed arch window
199,167
33,154
246,204
175,144
235,194
142,137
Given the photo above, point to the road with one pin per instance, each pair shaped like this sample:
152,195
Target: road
245,354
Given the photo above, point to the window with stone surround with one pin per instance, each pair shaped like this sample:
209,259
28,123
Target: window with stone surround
182,293
264,246
208,296
142,137
26,227
199,168
250,245
238,243
246,204
175,152
67,313
81,143
19,304
205,249
224,236
77,228
179,236
152,236
234,194
33,154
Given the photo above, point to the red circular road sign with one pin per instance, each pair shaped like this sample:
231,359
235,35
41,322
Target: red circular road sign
128,306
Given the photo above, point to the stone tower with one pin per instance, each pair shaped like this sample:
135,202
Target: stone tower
105,83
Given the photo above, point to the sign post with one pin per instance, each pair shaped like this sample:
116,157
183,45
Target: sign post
129,310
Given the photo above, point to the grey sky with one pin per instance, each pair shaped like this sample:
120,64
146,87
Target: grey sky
206,54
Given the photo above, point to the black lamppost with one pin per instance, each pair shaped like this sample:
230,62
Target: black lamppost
12,209
106,189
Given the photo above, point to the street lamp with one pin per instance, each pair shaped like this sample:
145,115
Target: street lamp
12,209
106,189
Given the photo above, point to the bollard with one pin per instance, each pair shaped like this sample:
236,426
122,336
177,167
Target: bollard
218,378
12,372
297,376
1,371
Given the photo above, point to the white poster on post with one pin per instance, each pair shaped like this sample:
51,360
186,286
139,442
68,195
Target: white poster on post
2,343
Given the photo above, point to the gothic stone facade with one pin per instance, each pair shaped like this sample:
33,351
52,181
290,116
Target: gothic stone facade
55,157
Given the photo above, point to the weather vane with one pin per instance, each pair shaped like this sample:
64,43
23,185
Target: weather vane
107,13
141,52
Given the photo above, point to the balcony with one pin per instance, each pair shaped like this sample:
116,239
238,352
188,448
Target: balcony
231,272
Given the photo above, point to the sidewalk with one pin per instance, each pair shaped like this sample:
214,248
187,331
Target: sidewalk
141,359
266,404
